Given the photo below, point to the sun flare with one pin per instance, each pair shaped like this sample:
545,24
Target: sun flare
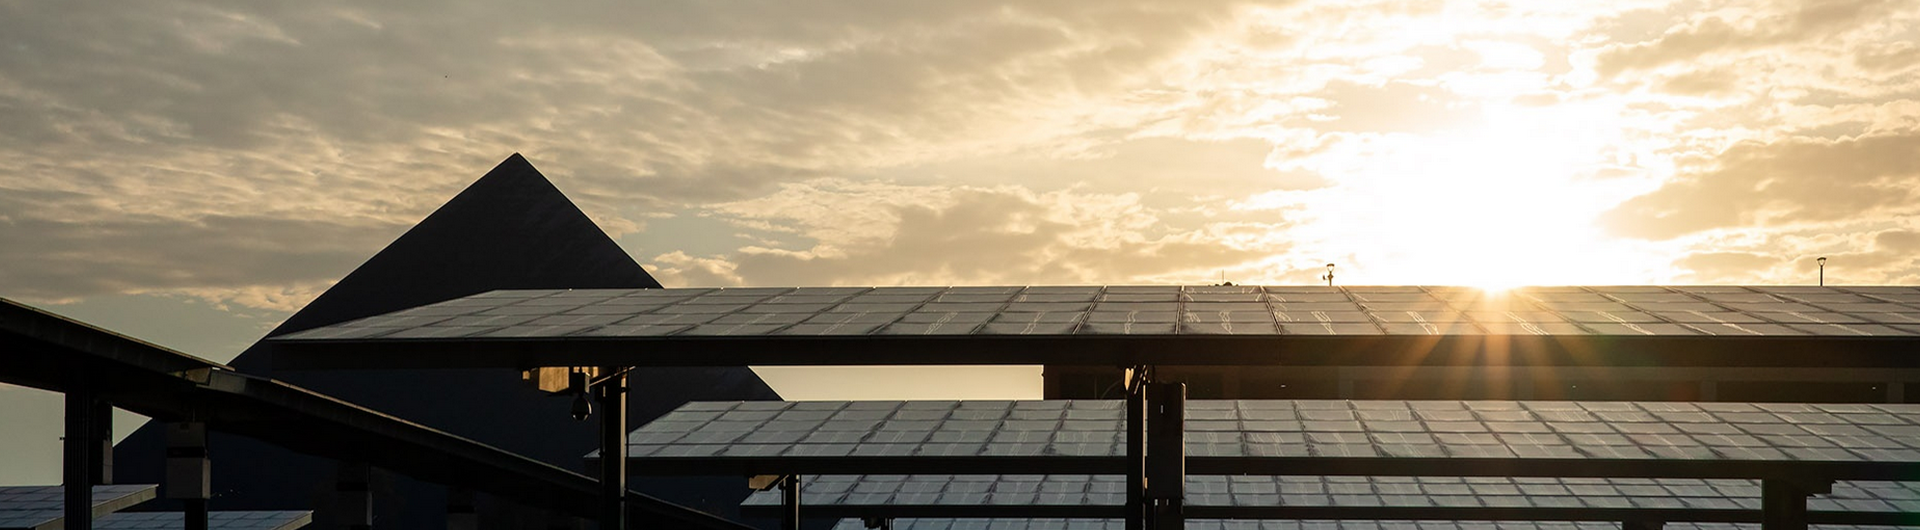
1507,202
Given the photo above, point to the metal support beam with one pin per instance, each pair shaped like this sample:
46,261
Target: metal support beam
189,472
1137,509
1167,455
79,447
790,502
612,395
1642,525
353,489
1783,502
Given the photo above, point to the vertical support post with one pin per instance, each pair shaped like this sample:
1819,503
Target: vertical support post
1136,510
790,502
103,445
77,451
189,472
460,512
354,487
612,395
194,513
1783,502
1167,455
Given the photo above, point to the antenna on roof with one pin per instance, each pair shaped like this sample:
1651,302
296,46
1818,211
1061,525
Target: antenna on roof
1223,280
1329,275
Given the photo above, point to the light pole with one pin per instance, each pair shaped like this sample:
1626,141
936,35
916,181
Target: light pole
1329,275
1823,270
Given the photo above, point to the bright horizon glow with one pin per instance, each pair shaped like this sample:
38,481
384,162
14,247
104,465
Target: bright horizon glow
1506,202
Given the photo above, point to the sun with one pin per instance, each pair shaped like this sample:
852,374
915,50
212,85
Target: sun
1506,202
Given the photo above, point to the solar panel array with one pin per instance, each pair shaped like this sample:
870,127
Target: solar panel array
1151,311
54,497
238,520
26,507
1202,524
769,431
1256,491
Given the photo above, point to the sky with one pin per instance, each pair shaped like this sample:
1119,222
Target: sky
191,172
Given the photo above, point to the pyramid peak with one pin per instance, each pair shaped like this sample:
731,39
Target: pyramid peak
512,228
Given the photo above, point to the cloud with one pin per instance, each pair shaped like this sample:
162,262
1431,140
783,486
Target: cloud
1791,181
252,262
1708,267
254,126
967,235
1800,21
1857,254
129,128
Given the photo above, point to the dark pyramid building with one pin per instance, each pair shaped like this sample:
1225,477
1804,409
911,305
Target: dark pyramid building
512,229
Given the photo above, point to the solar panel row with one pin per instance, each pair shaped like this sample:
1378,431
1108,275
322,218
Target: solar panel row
15,498
1116,524
1292,428
236,520
897,491
1151,310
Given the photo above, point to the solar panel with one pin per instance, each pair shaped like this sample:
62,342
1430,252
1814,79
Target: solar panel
1835,311
1203,524
28,507
1862,441
914,491
1032,325
238,520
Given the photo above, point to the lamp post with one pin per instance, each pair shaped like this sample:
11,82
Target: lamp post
1823,270
1329,275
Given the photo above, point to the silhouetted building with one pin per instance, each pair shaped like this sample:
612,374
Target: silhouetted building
512,229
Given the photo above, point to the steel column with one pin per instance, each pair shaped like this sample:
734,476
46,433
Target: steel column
790,502
353,490
102,456
194,512
78,449
1167,455
1137,509
189,472
612,395
1783,502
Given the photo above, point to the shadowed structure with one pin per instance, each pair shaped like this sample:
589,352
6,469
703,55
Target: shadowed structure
512,229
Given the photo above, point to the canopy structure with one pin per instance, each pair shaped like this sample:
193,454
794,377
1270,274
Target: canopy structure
1794,451
50,352
1133,325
